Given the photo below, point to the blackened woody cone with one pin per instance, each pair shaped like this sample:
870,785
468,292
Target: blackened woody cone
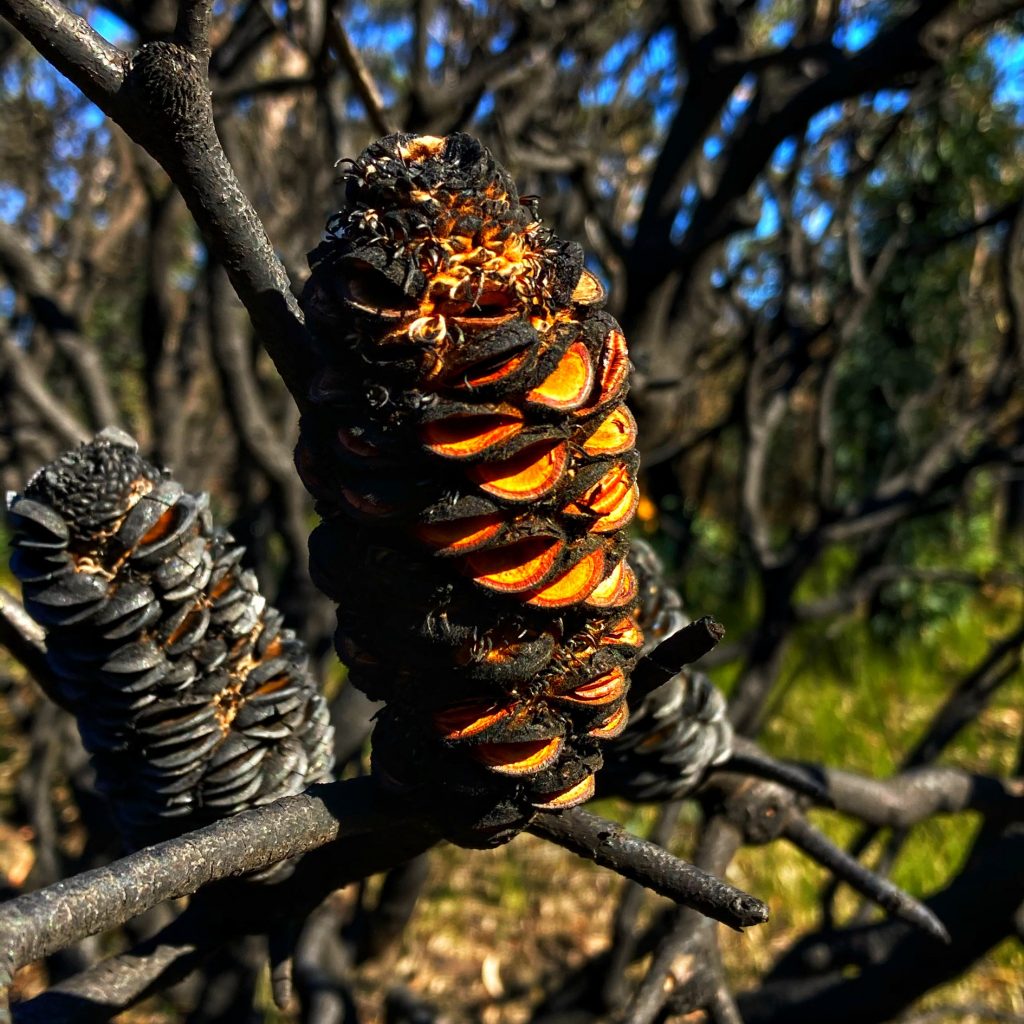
192,699
474,462
680,730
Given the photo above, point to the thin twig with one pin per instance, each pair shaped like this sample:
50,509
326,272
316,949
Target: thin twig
26,641
635,858
366,88
686,646
691,940
748,759
877,889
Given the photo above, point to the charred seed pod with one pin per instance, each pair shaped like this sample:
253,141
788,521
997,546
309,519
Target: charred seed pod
474,463
192,699
680,730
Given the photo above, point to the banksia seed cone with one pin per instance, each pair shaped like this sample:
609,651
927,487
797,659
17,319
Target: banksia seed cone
192,700
473,460
680,730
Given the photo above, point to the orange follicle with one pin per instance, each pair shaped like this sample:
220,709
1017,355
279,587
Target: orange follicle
570,797
462,437
161,528
460,536
490,373
466,720
612,376
526,476
618,588
569,384
625,631
612,499
613,725
603,690
589,290
513,568
183,627
615,434
573,585
614,364
518,758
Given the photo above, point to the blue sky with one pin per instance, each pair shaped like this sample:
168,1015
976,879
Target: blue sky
657,65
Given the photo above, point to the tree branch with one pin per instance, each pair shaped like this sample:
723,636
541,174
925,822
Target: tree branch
641,861
30,277
33,388
43,922
26,641
365,87
160,96
918,794
193,28
690,934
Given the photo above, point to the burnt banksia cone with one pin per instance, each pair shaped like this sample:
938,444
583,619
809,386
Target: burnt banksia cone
473,460
192,700
678,731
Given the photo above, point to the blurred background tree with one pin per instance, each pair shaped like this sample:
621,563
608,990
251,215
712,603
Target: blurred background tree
809,214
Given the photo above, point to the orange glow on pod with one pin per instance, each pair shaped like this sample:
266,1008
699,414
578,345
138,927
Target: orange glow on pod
625,632
513,568
570,797
603,690
160,529
589,290
461,437
465,720
495,373
527,476
615,434
613,499
614,365
569,384
619,587
573,585
612,726
459,536
518,758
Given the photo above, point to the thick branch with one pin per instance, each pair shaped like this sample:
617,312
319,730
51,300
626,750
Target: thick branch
219,914
921,793
43,922
68,42
193,28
